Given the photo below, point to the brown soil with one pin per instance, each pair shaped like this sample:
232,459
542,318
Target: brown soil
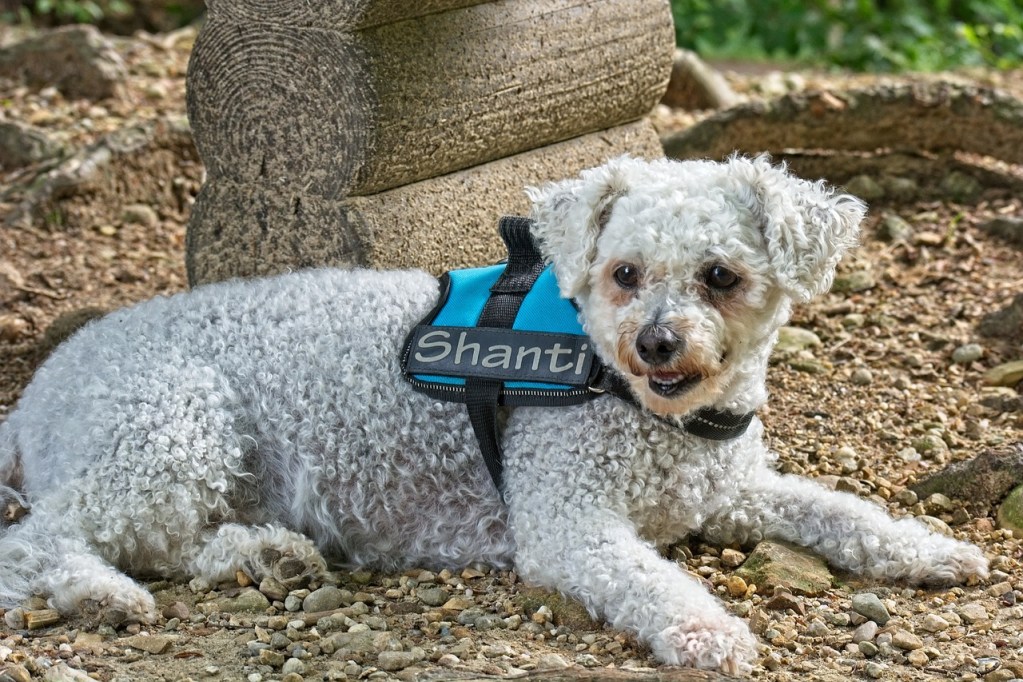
828,418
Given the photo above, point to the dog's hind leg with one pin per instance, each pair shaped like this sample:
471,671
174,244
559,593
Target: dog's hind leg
259,551
131,480
43,556
850,533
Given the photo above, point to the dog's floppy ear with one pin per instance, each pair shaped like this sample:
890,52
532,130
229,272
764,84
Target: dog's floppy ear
807,226
569,216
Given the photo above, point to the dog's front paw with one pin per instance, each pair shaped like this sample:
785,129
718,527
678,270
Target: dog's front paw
291,564
963,563
726,645
131,603
132,606
291,568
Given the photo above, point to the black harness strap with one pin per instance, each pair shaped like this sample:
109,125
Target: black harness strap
525,263
706,423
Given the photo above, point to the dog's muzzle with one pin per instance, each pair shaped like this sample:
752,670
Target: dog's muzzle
658,345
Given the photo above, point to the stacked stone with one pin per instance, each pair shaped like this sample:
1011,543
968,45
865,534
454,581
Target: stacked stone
393,134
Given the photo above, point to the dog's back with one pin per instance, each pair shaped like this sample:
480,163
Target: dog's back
276,401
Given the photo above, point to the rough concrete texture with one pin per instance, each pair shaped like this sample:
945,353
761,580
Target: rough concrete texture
335,14
244,230
336,114
262,110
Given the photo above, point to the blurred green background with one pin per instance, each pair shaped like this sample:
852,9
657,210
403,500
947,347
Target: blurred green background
868,35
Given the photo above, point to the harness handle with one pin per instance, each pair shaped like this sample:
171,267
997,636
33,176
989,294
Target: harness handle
525,263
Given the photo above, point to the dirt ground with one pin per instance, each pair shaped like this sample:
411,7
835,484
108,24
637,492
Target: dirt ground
878,404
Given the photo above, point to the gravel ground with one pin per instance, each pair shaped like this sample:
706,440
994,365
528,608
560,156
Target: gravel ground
888,389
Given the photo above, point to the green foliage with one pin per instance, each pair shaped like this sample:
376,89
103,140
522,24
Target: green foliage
117,16
80,11
876,35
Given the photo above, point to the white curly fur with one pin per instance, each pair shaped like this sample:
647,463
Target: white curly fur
246,421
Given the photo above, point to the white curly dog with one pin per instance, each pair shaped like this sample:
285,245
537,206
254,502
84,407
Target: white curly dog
221,429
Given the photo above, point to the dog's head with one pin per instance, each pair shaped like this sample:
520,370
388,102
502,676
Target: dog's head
683,271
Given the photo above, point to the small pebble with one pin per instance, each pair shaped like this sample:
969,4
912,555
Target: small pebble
816,628
273,589
854,320
906,640
274,659
865,632
875,670
177,610
293,666
868,649
457,604
906,497
327,598
862,377
773,661
395,660
783,601
450,660
869,606
732,558
965,354
932,622
917,658
551,662
938,503
17,673
1000,588
433,596
894,228
973,612
736,586
15,618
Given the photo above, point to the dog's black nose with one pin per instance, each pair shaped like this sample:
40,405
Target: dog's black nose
657,345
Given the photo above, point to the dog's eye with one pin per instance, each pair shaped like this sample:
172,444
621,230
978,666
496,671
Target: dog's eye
721,278
627,276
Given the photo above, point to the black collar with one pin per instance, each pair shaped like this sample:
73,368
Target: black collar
706,423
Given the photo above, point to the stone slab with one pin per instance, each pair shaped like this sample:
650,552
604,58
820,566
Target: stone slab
245,230
337,114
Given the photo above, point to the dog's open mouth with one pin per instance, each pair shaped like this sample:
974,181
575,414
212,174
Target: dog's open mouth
671,385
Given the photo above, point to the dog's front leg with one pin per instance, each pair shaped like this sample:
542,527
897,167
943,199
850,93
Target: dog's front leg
849,532
596,556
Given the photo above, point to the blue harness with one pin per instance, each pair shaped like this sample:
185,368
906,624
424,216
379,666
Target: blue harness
503,335
543,353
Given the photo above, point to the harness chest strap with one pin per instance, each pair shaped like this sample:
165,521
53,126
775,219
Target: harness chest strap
506,295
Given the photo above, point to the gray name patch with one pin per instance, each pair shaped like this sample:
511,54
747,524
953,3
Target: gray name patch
506,354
